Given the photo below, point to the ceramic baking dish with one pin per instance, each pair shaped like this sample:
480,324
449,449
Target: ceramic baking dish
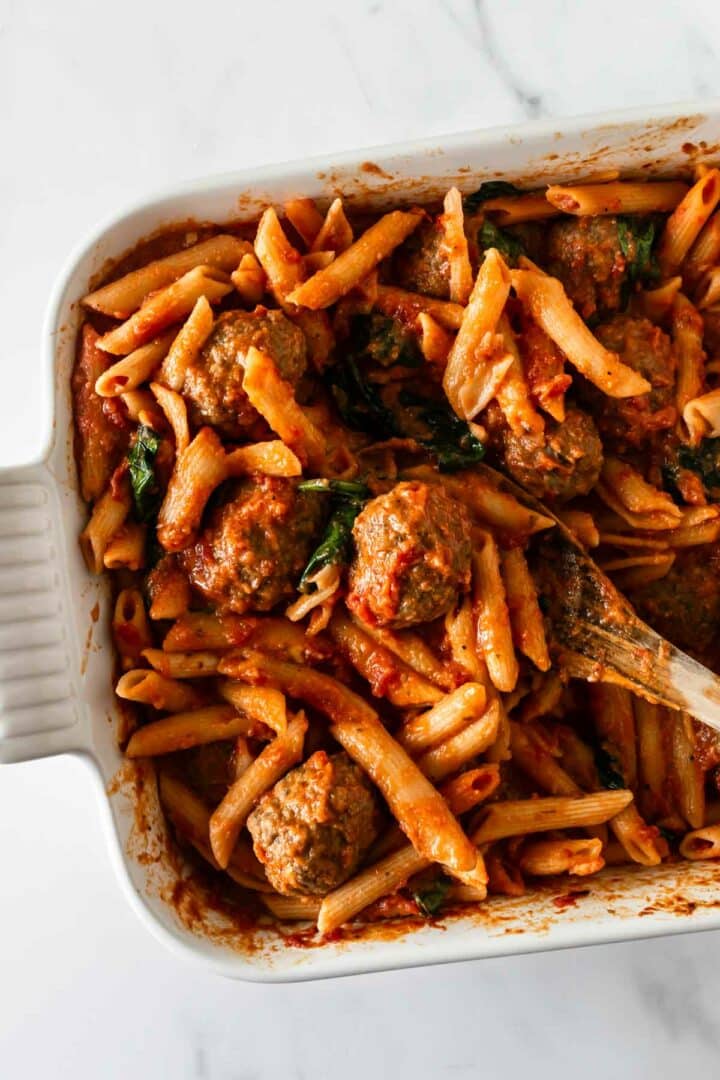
55,653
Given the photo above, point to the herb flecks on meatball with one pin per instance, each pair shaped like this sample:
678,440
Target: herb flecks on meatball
254,547
585,254
412,556
559,465
213,381
313,828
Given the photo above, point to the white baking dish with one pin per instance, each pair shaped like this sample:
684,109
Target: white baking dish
55,654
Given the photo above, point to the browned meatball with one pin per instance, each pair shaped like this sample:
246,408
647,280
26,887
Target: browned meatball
684,606
585,254
421,263
412,556
563,463
313,828
255,546
213,381
647,349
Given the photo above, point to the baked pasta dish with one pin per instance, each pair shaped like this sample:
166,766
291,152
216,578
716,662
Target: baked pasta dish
331,619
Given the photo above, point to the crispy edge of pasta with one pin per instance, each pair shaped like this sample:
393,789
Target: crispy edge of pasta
540,858
135,368
130,627
408,306
356,262
272,458
267,768
107,517
452,753
387,675
548,304
455,246
446,718
175,411
151,688
526,620
480,318
209,723
518,817
494,634
198,470
165,307
121,298
335,233
274,399
617,197
683,226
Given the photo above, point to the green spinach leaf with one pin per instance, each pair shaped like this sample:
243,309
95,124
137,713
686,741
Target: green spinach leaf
141,459
491,189
431,896
509,246
451,441
348,499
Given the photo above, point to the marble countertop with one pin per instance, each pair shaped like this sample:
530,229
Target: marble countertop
99,106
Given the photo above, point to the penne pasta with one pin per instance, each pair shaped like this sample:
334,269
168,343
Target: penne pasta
130,627
127,548
455,247
687,333
701,843
274,399
386,674
513,395
456,750
107,518
705,252
683,226
292,908
466,375
165,307
702,416
547,303
151,688
261,704
687,778
515,818
269,458
633,492
249,279
356,262
494,633
545,857
435,341
335,234
197,630
514,209
305,218
413,650
199,469
617,197
656,304
384,877
182,665
211,723
408,306
121,298
187,344
134,369
281,262
450,715
467,790
526,620
175,411
268,767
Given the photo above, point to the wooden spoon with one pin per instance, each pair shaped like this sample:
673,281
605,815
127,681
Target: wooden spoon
597,634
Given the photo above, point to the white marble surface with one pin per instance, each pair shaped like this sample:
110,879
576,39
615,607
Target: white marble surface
99,104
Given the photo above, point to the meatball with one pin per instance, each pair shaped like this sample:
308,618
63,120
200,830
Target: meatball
564,463
684,606
213,381
255,546
647,349
313,828
421,263
585,254
412,556
208,769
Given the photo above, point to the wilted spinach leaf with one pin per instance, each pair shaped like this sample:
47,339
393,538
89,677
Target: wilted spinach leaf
141,459
491,189
431,896
509,246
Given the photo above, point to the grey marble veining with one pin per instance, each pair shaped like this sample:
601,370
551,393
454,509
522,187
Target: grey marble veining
101,105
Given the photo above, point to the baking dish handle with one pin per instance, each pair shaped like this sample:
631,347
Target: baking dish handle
39,710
